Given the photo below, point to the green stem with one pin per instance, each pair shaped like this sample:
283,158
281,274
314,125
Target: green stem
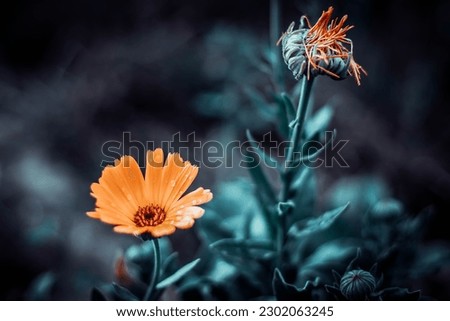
299,123
156,269
295,142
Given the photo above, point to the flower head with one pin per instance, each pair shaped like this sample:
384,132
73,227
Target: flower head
320,49
154,204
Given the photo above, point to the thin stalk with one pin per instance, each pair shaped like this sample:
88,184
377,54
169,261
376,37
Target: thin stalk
295,141
299,123
156,269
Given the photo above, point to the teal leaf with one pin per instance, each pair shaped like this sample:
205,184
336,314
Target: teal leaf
303,193
285,291
286,113
398,294
124,293
260,178
304,228
319,122
268,160
290,109
178,275
306,157
41,287
258,249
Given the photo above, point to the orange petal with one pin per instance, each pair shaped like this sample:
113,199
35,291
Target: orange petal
126,229
161,230
93,215
182,181
184,223
112,217
153,173
197,197
191,211
129,175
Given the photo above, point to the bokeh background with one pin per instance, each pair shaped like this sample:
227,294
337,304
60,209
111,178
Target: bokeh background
75,74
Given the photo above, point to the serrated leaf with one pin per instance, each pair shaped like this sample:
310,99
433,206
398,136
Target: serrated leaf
124,293
318,122
178,275
316,224
97,295
288,292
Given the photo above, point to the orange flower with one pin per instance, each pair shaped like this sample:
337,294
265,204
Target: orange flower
152,205
320,49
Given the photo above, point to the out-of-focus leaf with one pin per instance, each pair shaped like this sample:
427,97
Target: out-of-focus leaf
430,260
97,295
124,293
260,102
303,194
248,249
170,264
178,275
268,160
332,255
304,228
307,158
260,178
288,292
398,294
41,287
286,113
318,122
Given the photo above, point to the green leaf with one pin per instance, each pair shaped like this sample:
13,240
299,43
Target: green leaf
178,275
398,294
286,113
258,249
268,160
302,193
288,292
259,101
41,287
290,109
306,157
260,179
316,224
318,122
124,293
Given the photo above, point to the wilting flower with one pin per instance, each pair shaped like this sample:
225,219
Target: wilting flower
153,204
320,49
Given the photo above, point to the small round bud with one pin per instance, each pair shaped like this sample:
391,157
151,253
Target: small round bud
357,284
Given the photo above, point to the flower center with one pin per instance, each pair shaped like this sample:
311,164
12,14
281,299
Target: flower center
150,215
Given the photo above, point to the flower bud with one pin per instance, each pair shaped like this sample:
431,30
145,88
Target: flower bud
357,284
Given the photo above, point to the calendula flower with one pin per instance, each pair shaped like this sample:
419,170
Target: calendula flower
320,49
154,204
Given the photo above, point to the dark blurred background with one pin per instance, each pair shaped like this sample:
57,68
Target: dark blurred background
75,74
